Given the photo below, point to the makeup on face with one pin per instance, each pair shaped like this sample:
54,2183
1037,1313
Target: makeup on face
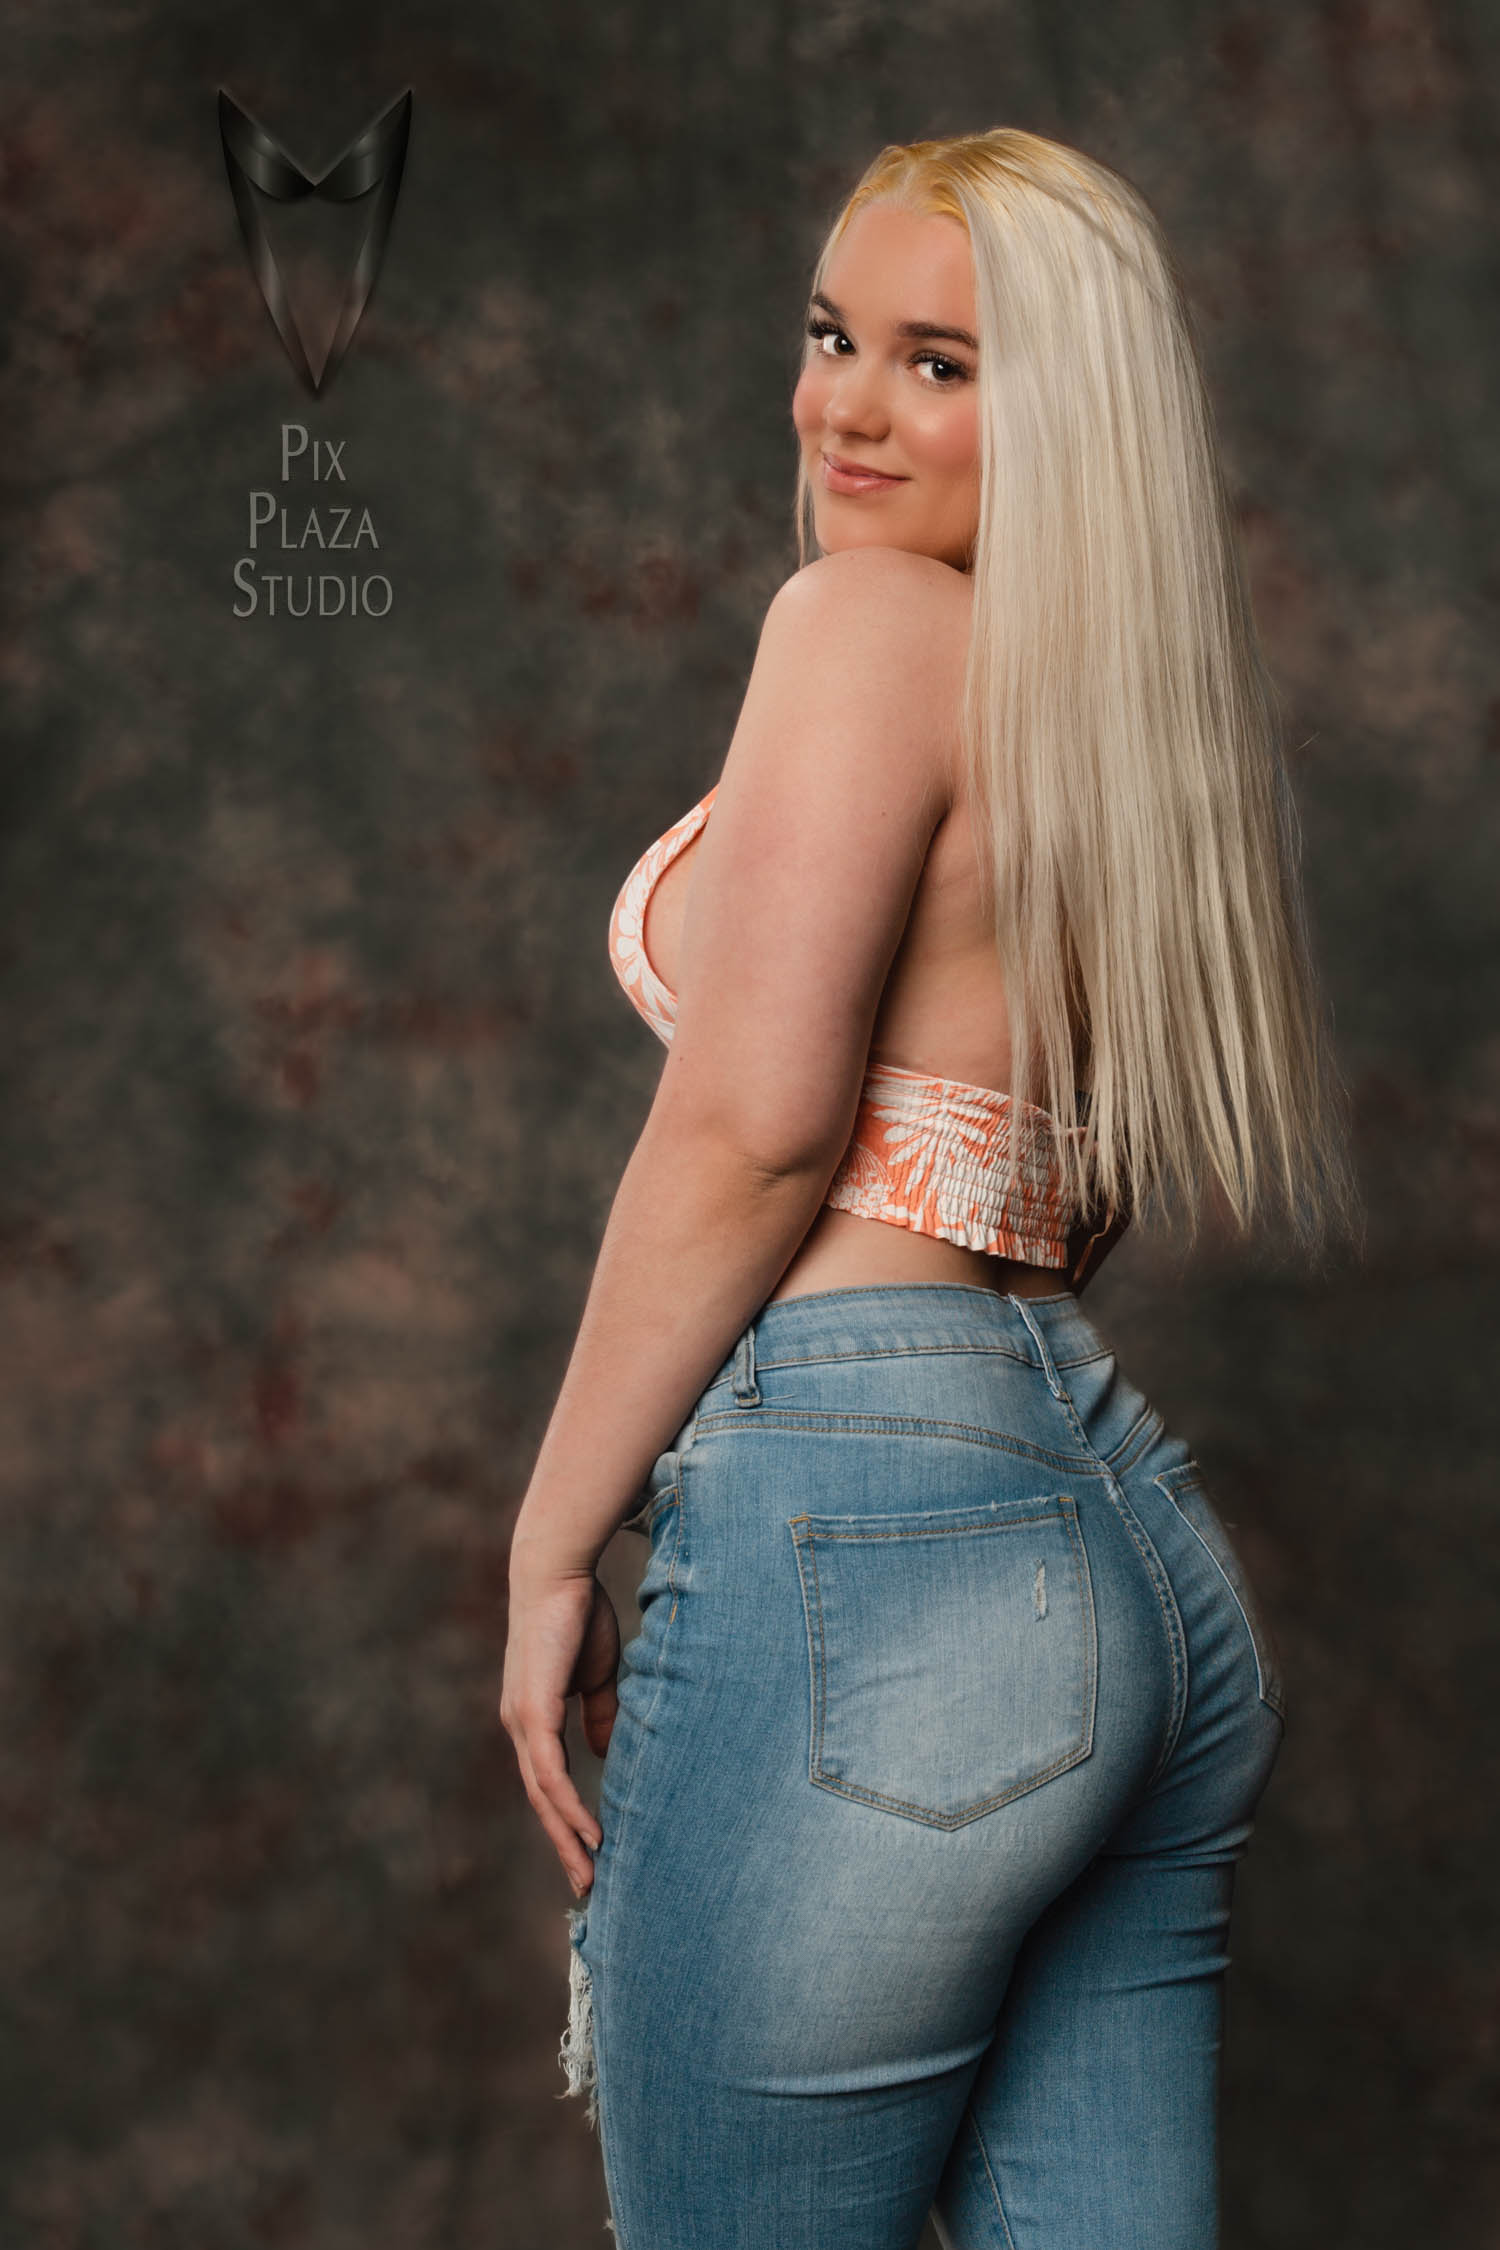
840,475
885,405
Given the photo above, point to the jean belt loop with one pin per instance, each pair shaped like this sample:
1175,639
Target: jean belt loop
746,1389
1048,1369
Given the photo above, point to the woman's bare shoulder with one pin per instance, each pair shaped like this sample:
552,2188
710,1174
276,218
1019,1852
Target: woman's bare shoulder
862,582
880,628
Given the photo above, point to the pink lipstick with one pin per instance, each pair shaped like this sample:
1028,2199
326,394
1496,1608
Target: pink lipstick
848,477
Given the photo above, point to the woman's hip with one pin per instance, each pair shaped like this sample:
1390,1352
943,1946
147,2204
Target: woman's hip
887,1584
911,1658
893,1572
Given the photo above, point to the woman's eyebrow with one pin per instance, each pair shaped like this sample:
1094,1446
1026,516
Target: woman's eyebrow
928,329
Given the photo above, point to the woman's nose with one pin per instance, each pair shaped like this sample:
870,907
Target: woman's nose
855,404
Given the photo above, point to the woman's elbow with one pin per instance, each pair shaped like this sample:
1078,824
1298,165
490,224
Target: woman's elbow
771,1138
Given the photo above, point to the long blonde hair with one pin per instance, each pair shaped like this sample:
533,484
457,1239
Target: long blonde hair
1140,844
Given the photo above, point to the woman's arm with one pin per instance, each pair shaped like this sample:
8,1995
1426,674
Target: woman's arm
699,1234
837,775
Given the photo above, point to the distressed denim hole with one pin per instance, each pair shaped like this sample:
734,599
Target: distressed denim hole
576,2054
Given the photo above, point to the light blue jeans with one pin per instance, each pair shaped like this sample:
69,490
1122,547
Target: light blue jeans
936,1751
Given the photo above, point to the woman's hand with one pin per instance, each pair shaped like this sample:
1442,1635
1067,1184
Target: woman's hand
564,1639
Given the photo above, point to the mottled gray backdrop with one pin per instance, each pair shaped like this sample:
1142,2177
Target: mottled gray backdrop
317,1084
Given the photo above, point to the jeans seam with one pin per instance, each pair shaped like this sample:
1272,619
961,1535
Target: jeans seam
895,1425
1146,1427
911,1351
1157,1573
920,1529
989,2173
644,1519
817,1653
610,2196
599,2063
1273,1701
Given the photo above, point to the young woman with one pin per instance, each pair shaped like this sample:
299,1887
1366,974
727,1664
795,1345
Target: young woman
930,1767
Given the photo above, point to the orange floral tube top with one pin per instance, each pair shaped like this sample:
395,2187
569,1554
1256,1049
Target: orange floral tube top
925,1153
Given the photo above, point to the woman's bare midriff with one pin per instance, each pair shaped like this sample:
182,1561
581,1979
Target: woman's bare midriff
842,1251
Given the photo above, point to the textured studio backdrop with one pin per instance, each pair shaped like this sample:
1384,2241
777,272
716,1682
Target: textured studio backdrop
317,1084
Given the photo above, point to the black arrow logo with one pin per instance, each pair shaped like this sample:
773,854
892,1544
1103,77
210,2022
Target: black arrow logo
371,162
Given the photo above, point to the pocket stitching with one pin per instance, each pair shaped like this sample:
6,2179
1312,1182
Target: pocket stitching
1067,1514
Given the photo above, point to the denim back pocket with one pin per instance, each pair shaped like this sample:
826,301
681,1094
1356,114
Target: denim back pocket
953,1654
1185,1489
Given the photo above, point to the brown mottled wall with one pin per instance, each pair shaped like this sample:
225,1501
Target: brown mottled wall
316,1084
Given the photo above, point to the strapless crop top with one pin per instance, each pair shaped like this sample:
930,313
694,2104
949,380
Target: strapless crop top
925,1153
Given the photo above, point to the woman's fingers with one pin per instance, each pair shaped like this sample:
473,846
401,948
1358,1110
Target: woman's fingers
564,1640
577,1865
549,1762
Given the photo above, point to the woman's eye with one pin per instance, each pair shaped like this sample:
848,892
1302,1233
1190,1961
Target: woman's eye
819,329
953,372
936,360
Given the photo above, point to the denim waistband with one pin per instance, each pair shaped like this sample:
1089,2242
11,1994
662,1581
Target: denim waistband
916,1316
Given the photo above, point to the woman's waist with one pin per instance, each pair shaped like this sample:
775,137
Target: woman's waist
845,1249
885,1320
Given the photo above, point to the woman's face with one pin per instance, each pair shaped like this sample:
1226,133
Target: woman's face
889,383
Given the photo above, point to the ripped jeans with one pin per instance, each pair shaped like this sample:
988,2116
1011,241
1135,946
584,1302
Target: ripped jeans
936,1751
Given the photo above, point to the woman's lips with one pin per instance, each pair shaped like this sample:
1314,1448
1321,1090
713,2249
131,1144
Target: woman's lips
841,477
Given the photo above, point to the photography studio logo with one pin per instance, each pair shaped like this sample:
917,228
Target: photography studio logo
371,165
280,523
313,529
